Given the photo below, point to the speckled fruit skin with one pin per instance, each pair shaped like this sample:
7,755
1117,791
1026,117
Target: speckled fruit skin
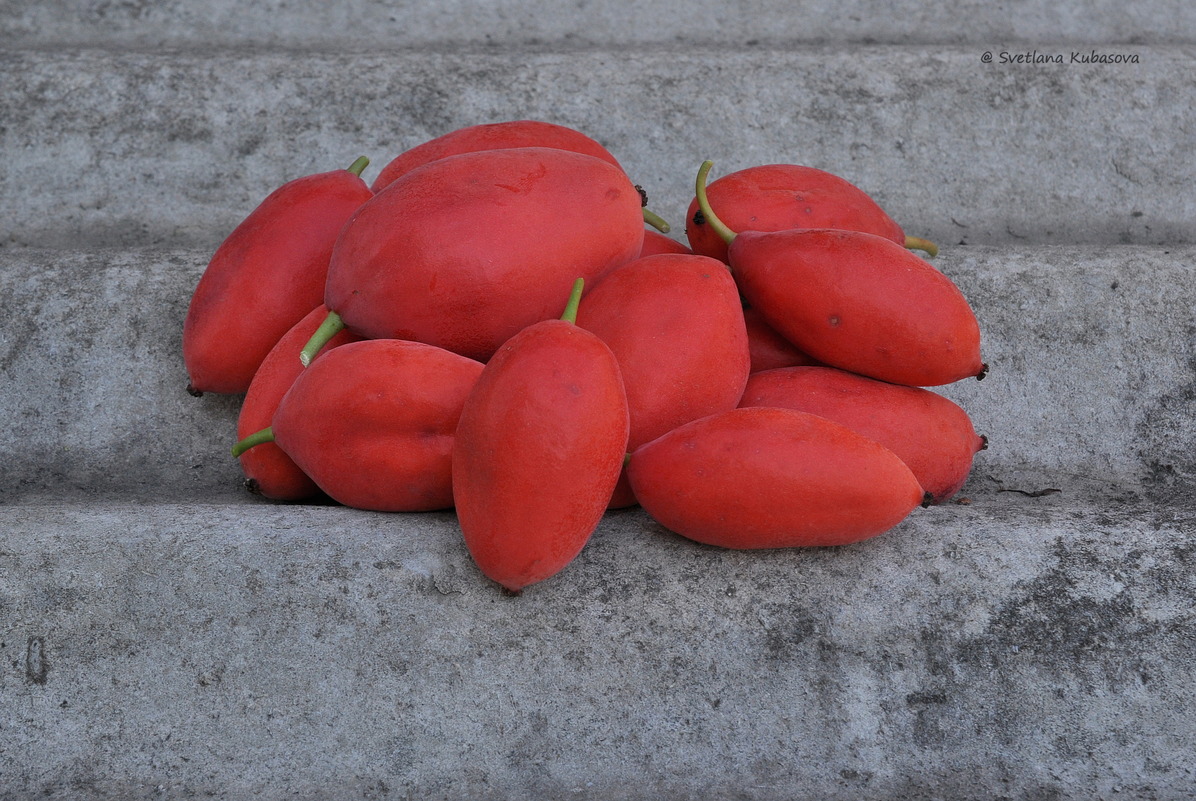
931,434
777,197
771,478
264,278
675,325
372,423
538,451
268,470
465,252
861,303
491,136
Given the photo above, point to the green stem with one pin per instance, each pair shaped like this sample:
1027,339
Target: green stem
257,438
570,315
359,166
719,227
656,221
918,243
332,325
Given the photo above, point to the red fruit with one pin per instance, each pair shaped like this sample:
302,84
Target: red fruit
492,136
771,478
265,277
860,302
267,469
675,325
770,350
656,242
538,451
931,434
465,252
855,301
372,423
777,197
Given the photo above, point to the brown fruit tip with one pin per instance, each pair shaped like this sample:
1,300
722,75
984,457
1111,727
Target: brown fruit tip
193,392
983,371
253,487
511,592
643,195
699,218
983,442
928,500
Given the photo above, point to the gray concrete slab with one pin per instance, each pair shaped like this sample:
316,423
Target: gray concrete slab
361,23
174,148
1092,354
1013,648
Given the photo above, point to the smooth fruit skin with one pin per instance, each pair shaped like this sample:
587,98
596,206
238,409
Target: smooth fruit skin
861,303
268,470
373,422
675,325
769,350
491,136
538,451
264,278
931,434
777,197
465,252
771,478
656,242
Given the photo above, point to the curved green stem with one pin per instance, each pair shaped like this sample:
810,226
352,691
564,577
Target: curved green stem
719,227
359,166
570,315
918,243
332,325
256,438
656,221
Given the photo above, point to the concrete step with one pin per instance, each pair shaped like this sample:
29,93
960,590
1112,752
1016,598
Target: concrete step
1016,647
363,24
1092,353
172,148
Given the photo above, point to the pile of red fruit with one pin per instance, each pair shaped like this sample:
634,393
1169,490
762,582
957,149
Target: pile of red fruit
402,347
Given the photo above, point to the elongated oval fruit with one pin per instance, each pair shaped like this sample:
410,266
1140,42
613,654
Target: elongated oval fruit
860,302
491,136
465,252
771,478
538,451
931,434
268,470
675,325
265,277
372,423
777,197
854,300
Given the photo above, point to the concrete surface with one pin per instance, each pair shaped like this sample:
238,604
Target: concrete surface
166,635
1014,648
128,148
356,24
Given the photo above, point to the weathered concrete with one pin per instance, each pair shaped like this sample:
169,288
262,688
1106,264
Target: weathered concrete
128,148
1092,350
1016,647
356,24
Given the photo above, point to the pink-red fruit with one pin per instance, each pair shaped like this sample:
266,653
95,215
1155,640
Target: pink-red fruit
772,478
930,433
